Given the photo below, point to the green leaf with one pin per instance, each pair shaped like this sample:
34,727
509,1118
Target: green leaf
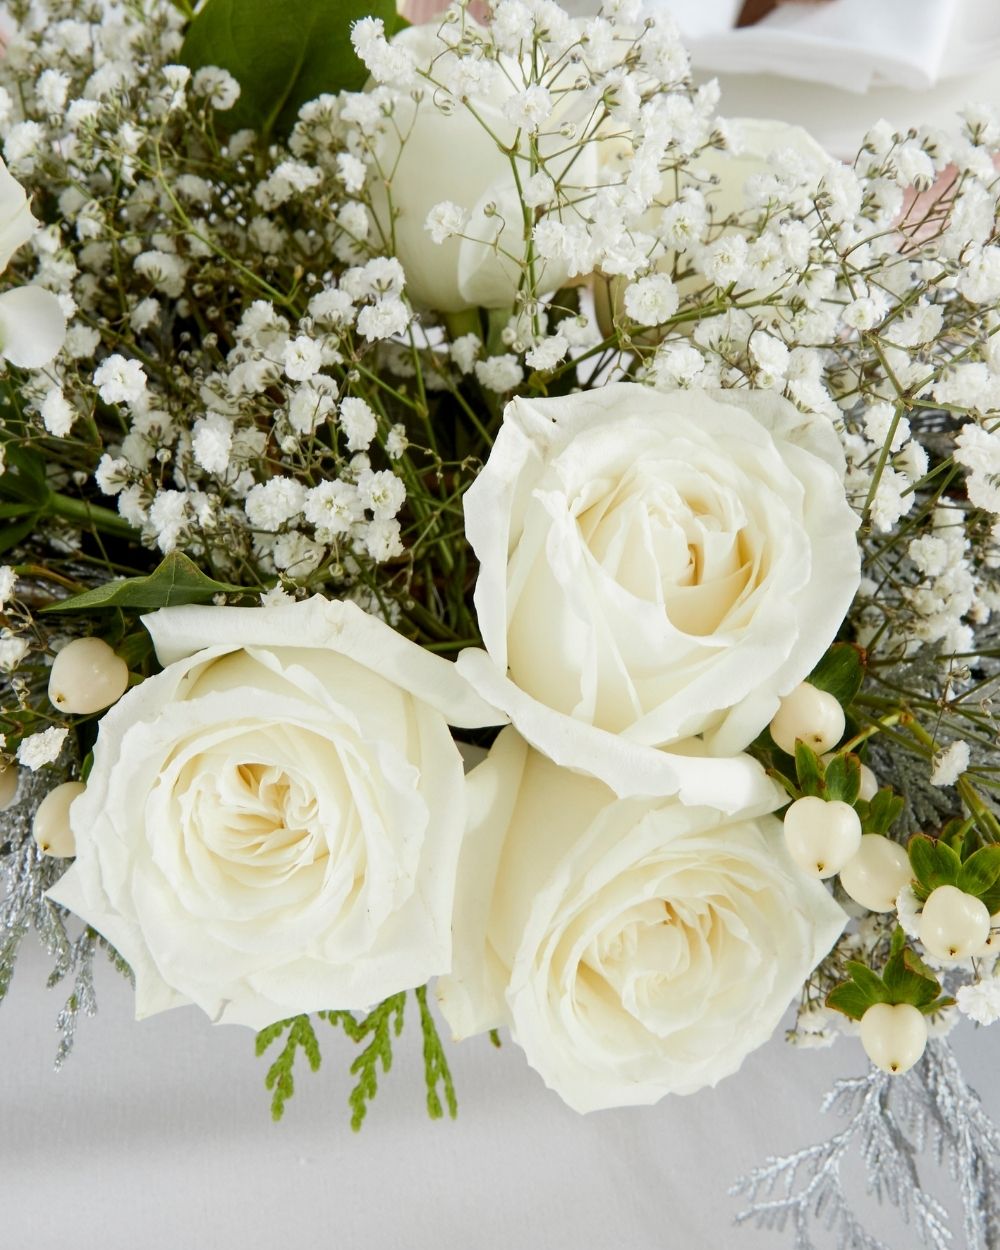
908,986
11,535
135,647
808,769
882,812
933,862
980,872
843,778
176,580
851,999
283,53
869,981
24,479
840,672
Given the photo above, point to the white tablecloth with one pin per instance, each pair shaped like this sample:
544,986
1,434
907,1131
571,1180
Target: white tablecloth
157,1136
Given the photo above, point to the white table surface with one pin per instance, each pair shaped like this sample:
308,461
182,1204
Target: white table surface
158,1136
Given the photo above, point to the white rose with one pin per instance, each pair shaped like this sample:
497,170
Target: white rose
450,156
32,325
656,571
634,947
272,823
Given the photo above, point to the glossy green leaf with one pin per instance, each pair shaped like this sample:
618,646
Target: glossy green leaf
854,998
980,872
906,985
283,53
808,769
881,813
933,862
840,672
843,778
176,580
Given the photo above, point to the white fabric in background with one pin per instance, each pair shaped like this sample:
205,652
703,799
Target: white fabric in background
157,1136
851,44
837,89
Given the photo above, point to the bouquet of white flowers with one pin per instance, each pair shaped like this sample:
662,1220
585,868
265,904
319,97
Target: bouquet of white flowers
480,525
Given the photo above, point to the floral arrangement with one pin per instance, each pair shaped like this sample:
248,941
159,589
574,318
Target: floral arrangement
481,526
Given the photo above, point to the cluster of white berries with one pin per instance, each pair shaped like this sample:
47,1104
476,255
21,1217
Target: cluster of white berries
824,838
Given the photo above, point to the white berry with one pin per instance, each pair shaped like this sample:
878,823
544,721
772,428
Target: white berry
953,924
51,825
874,876
869,784
991,947
894,1035
87,677
821,836
8,785
810,714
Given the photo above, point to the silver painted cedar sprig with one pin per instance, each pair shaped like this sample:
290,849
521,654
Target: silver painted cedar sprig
891,1122
25,876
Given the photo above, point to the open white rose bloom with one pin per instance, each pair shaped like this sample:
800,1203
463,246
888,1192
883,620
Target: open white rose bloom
635,947
656,571
272,824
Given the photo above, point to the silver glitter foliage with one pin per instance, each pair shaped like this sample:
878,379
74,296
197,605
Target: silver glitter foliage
25,875
890,1122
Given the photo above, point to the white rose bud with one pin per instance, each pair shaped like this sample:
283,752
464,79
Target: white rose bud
450,156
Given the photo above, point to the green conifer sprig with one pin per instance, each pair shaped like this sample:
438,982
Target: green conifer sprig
279,1079
380,1026
377,1029
436,1070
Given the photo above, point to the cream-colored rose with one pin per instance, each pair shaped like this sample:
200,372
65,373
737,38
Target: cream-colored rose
32,325
272,824
634,947
440,149
656,571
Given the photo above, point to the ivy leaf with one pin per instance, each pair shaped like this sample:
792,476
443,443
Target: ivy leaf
843,778
840,672
933,862
283,53
980,872
808,769
176,580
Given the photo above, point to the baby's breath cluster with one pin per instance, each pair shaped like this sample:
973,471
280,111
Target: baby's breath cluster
220,379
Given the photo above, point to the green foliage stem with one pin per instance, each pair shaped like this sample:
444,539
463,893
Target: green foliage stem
280,1080
436,1070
